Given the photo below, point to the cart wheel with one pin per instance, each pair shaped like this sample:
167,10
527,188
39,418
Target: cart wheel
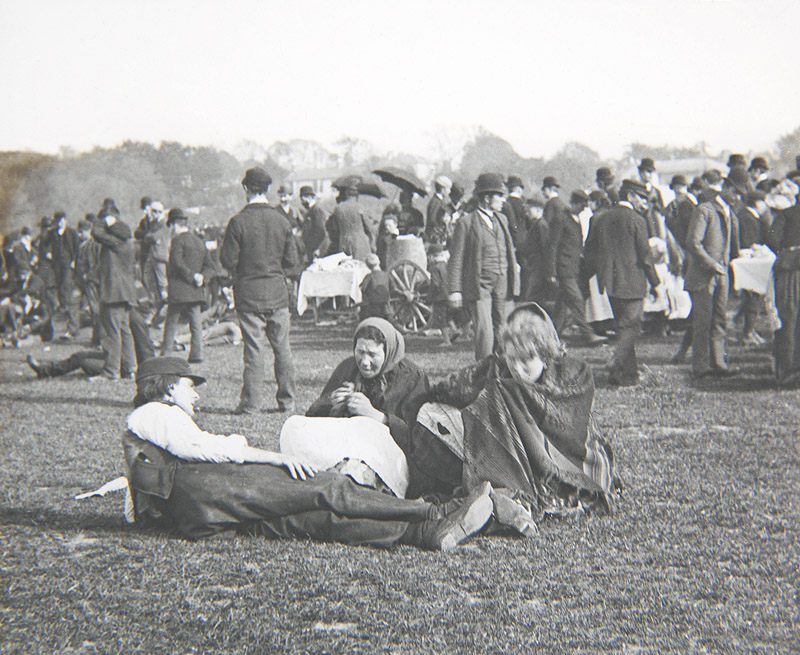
408,297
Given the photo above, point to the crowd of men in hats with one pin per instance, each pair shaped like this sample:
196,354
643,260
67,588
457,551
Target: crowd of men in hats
486,250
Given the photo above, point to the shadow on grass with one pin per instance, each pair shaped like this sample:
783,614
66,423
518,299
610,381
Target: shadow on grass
65,400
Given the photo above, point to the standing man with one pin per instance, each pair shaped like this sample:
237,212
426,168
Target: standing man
563,266
514,209
616,251
117,292
188,269
314,234
712,241
655,201
155,243
605,181
759,170
437,214
62,243
257,250
553,206
87,272
482,271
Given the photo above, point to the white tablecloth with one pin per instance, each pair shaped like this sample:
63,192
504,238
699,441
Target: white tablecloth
753,273
326,284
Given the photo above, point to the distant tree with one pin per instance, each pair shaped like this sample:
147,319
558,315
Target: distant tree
488,153
788,148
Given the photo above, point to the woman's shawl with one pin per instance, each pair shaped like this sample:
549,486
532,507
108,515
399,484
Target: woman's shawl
539,439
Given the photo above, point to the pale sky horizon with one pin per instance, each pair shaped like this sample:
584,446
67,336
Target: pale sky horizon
411,76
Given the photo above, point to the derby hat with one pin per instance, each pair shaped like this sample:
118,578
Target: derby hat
678,180
713,177
632,186
549,182
579,197
176,214
759,162
489,183
647,164
736,160
604,174
154,366
306,191
256,179
514,181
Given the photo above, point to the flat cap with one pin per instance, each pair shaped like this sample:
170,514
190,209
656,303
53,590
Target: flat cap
632,186
550,181
154,366
256,179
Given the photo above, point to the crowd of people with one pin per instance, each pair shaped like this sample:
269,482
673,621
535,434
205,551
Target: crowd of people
500,443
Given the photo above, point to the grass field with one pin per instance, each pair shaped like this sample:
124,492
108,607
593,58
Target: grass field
701,556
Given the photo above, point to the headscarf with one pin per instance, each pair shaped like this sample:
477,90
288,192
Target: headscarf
395,348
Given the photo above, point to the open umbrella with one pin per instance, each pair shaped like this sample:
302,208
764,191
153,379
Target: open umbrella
402,178
365,187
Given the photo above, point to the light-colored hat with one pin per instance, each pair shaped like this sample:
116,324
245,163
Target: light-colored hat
443,180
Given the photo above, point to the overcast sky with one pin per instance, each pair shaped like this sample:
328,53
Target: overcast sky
405,75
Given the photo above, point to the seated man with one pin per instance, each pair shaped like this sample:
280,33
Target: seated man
199,483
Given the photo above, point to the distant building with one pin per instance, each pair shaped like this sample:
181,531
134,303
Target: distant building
319,179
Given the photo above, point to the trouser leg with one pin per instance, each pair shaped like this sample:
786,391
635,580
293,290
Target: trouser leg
68,301
701,329
628,317
170,326
573,305
787,301
112,337
92,296
207,498
142,343
719,321
277,329
499,293
481,311
196,330
253,375
64,366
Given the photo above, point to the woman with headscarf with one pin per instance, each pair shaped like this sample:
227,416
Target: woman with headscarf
528,425
377,381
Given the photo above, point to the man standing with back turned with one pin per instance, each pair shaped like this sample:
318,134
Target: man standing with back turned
257,250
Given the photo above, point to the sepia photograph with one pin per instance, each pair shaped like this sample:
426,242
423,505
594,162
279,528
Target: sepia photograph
400,327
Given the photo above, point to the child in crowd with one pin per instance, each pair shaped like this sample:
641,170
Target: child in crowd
374,291
437,293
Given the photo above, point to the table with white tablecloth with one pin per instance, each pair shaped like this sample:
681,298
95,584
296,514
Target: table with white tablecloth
343,280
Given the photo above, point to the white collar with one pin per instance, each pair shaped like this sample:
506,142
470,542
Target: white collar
625,203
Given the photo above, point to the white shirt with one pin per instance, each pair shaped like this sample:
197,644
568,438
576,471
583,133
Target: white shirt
172,429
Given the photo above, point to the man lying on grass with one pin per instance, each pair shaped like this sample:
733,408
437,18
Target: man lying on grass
199,484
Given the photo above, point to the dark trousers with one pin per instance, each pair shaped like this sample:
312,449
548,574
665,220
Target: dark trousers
91,362
710,324
787,338
91,295
142,343
752,304
488,313
628,320
184,311
263,499
117,340
275,325
570,303
68,300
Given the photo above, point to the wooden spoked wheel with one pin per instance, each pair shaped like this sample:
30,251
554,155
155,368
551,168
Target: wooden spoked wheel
408,297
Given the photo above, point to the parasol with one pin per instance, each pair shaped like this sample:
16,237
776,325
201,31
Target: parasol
402,178
365,187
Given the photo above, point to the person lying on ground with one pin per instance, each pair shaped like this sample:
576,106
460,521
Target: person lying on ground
198,484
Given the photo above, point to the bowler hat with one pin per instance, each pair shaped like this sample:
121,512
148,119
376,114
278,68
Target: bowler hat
284,190
579,197
597,196
712,177
256,179
678,180
550,181
144,202
489,183
738,177
604,174
736,160
647,164
632,186
149,368
306,191
84,225
759,162
514,181
176,214
58,215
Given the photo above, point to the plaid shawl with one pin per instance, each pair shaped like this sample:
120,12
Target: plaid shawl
540,439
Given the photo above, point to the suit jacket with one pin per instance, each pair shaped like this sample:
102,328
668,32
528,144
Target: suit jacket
517,223
434,216
553,208
350,230
533,255
64,249
616,251
750,226
713,238
466,246
116,262
314,234
678,214
187,255
257,250
566,246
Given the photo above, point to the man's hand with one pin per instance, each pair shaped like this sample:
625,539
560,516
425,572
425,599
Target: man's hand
198,279
297,468
720,269
455,299
339,396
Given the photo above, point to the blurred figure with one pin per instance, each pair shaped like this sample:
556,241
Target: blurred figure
411,219
313,230
156,242
759,170
606,183
61,243
514,209
348,227
374,291
437,213
87,272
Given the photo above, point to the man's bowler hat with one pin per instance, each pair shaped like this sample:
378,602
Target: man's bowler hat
632,186
256,179
176,214
489,183
759,162
154,366
678,180
514,181
647,164
549,182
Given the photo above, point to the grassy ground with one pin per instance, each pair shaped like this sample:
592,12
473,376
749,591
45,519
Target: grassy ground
700,557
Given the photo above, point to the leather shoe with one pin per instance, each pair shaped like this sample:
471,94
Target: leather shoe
725,371
471,516
245,410
35,366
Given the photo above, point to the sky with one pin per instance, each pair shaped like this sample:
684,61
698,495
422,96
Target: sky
412,76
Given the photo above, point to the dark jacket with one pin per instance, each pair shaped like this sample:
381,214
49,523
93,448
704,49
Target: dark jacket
405,390
187,255
514,210
87,266
64,249
116,262
554,208
314,234
350,231
257,249
616,251
713,238
463,269
566,246
435,215
678,214
534,253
